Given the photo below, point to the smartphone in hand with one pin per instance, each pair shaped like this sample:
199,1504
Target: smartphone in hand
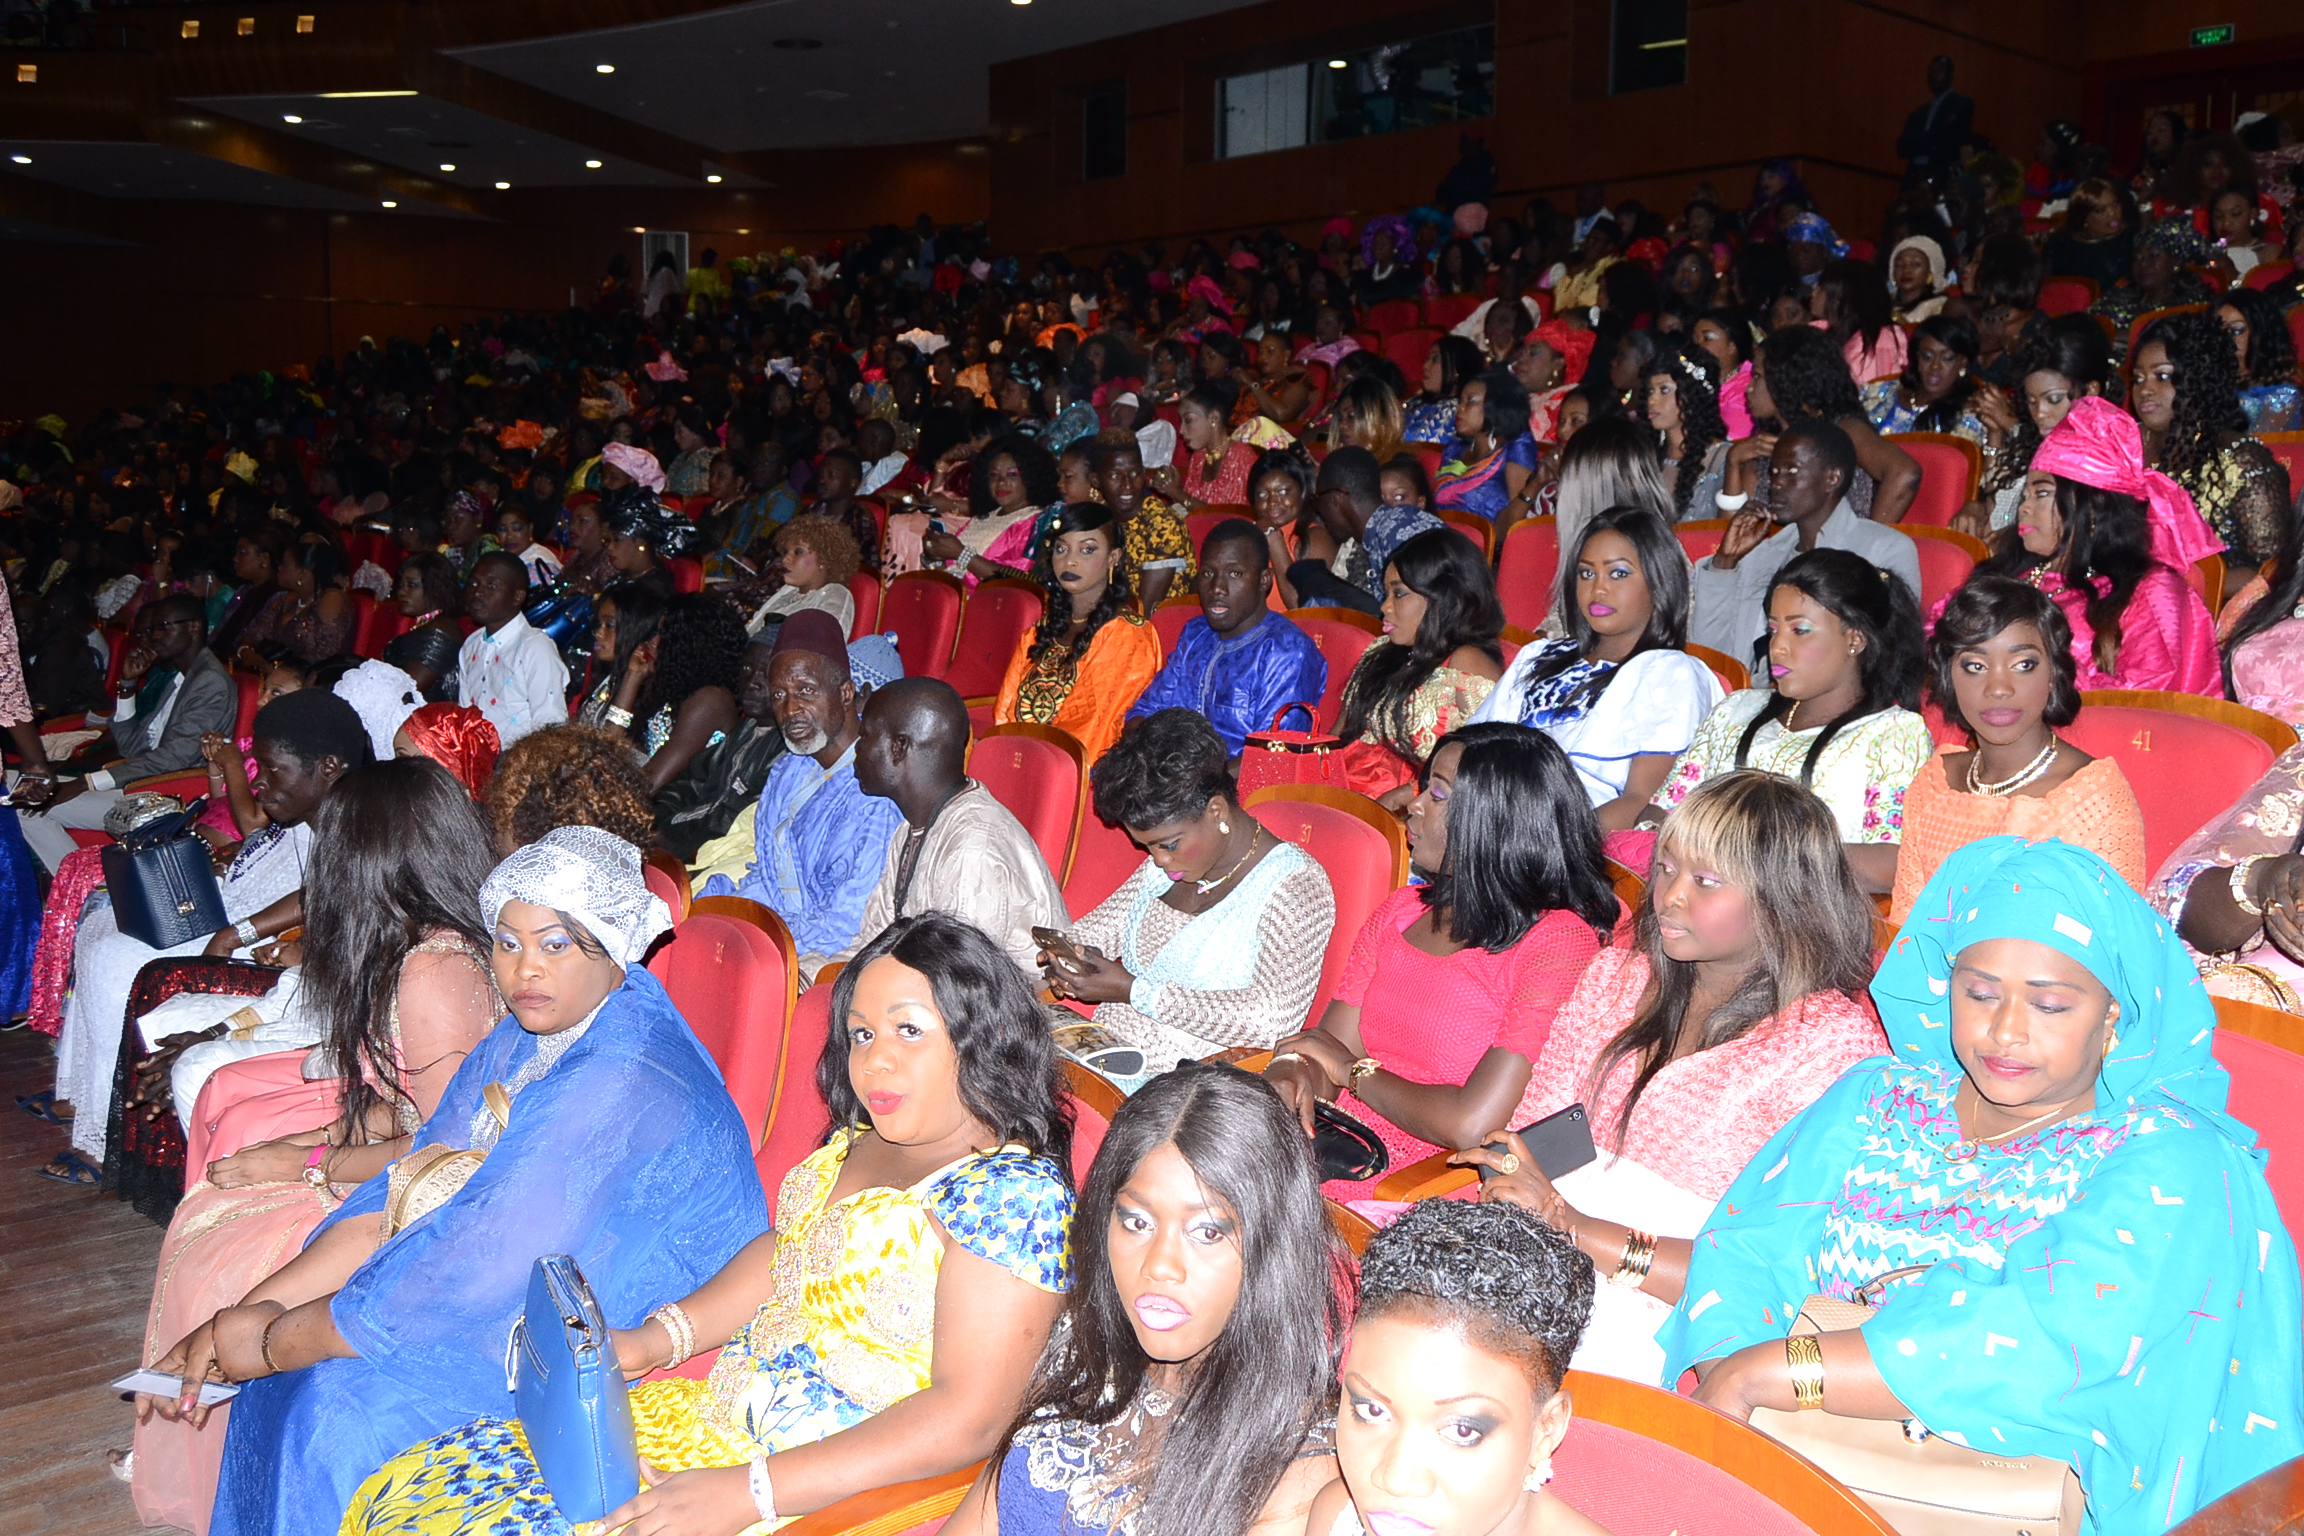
1062,950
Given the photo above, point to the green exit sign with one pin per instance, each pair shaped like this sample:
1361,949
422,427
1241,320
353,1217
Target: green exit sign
2214,37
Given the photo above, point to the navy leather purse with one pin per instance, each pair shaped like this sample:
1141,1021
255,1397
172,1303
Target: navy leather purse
569,1394
163,881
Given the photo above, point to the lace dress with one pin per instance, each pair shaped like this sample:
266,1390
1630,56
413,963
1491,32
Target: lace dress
2243,492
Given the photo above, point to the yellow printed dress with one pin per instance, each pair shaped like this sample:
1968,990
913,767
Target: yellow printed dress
846,1331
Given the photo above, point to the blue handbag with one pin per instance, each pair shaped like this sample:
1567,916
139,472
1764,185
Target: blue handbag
569,1393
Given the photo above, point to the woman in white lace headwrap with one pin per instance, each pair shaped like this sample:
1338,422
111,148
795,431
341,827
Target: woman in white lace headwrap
383,697
619,1146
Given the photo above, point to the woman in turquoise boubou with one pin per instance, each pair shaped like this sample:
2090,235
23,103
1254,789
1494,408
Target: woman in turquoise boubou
2049,1146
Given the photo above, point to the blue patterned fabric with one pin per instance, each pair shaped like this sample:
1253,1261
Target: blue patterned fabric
19,915
1388,528
627,1154
1428,421
2066,1266
1012,1209
1241,683
819,843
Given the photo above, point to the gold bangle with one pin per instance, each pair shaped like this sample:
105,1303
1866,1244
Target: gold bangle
2238,883
1639,1254
1805,1358
264,1343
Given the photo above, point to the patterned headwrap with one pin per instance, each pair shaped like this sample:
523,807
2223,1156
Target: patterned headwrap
2072,901
458,738
1813,229
521,434
666,370
1571,343
634,512
639,463
1204,287
2177,239
1930,252
1403,238
384,697
240,467
592,876
2099,444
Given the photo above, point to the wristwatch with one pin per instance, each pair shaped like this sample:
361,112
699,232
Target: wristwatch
315,1166
1361,1069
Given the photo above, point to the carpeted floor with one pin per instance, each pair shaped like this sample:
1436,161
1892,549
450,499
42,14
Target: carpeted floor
75,1277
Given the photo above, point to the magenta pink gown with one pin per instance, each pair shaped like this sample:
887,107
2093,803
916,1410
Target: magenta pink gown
2167,638
224,1242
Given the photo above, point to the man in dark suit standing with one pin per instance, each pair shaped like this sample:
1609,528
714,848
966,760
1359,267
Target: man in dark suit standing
1930,143
195,695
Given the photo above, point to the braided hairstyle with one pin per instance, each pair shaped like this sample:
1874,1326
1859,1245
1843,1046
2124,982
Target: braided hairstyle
1048,642
1695,376
2207,390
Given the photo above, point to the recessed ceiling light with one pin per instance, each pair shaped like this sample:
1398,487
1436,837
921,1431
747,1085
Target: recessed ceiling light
1338,64
604,69
503,186
390,204
1019,2
591,165
715,180
21,159
444,165
290,117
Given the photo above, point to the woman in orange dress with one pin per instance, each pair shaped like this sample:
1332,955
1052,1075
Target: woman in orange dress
2001,668
1092,654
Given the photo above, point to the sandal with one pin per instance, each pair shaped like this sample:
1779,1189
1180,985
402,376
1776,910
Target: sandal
70,1168
121,1464
40,1106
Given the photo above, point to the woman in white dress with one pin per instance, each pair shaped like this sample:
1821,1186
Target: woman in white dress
304,742
1616,692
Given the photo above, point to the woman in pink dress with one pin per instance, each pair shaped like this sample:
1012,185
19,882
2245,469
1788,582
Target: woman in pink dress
1452,984
398,857
1741,999
2110,539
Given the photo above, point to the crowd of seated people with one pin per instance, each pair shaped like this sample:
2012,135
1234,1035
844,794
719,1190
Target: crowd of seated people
1759,840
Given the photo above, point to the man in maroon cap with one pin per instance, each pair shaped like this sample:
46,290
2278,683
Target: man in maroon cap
818,839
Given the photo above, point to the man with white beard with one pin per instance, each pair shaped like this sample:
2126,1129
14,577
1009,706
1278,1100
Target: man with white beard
818,839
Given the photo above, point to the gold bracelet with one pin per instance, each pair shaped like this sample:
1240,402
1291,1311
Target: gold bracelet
2238,884
264,1343
1639,1254
1805,1357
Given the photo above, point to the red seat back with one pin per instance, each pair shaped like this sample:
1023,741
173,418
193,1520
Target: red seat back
797,1116
1037,780
923,608
1094,1102
998,614
2265,273
1431,456
1449,310
1527,571
2184,768
2288,447
1361,846
864,587
2066,295
1408,348
1949,467
1393,315
687,574
1102,857
731,984
116,641
2259,1047
1169,619
365,623
1198,525
1340,644
1635,1486
1947,558
1700,536
248,685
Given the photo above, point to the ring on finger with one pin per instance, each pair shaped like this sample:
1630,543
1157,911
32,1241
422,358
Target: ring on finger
1510,1165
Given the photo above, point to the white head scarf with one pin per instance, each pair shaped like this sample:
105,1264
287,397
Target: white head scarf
593,877
383,697
1930,252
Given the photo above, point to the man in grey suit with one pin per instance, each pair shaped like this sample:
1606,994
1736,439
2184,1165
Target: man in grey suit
199,697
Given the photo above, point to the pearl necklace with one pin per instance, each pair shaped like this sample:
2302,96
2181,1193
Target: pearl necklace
2023,776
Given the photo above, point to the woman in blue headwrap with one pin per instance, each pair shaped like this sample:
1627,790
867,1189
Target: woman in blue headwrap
2048,1153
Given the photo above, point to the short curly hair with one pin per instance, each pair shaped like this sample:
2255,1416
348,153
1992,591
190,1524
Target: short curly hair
1984,605
1164,768
829,540
1516,1286
1808,377
570,776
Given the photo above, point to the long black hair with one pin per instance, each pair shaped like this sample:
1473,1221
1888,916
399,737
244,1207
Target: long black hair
1873,603
2286,580
1056,616
2106,534
1956,334
1006,1059
639,615
1807,376
1249,1400
2271,349
398,851
1447,570
1663,566
2207,390
2074,348
1855,299
1695,376
700,645
1523,840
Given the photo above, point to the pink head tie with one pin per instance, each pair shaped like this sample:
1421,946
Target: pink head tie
639,463
2098,444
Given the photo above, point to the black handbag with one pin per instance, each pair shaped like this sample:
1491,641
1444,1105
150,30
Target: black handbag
163,882
1343,1147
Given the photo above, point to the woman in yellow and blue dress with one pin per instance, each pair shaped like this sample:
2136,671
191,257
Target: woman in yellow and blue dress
886,1329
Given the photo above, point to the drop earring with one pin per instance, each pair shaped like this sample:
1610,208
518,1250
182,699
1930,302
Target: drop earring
1538,1475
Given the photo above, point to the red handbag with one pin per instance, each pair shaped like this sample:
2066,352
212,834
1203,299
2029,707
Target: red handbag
1291,757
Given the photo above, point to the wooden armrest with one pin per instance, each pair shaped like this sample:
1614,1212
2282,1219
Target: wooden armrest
1248,1058
1432,1177
830,973
889,1511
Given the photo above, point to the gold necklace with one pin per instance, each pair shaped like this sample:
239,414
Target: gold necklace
1205,886
1968,1146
